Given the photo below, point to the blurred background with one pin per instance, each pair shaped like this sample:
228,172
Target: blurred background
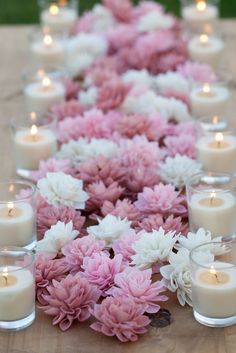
26,11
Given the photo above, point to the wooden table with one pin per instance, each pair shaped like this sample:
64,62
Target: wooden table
184,335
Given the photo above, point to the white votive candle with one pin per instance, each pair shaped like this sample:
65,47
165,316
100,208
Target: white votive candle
48,51
214,211
209,99
206,49
199,14
59,18
17,291
214,290
17,224
217,152
33,145
41,95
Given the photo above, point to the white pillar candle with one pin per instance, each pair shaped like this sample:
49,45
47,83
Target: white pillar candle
59,19
215,211
214,290
17,224
217,152
48,51
41,95
17,292
200,14
206,49
33,145
209,99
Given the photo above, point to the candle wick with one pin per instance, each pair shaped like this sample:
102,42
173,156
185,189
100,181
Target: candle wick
211,200
217,280
10,212
5,278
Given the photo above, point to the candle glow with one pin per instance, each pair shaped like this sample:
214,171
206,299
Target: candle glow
5,274
215,120
54,10
46,82
201,6
204,39
219,137
47,40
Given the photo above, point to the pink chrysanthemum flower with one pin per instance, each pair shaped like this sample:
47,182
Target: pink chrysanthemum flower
121,36
197,72
100,270
161,199
155,221
50,215
123,209
99,193
97,76
111,95
50,166
72,88
121,9
70,299
78,249
183,145
45,271
68,109
120,317
123,245
136,284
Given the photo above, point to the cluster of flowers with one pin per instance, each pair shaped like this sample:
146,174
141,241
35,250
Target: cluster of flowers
111,206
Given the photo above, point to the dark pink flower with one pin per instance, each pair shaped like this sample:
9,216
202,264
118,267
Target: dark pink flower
120,317
121,9
111,95
146,6
123,245
72,88
99,193
100,270
70,299
123,209
78,249
161,199
137,285
97,76
183,145
50,166
50,215
121,36
155,221
68,109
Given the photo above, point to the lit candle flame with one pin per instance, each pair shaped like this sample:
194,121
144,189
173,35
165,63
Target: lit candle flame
11,188
206,88
46,82
54,10
33,116
213,270
212,197
219,137
215,119
201,6
47,40
204,39
10,206
33,131
40,73
5,274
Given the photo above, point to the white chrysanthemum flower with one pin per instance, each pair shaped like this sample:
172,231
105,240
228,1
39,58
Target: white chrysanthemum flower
82,150
176,275
82,50
62,189
110,228
176,170
138,77
55,238
103,20
149,103
154,20
171,81
153,247
194,239
88,97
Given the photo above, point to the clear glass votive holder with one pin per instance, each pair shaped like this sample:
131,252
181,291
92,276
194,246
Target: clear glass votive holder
199,14
34,139
43,87
17,288
47,48
59,15
211,199
17,214
213,282
212,124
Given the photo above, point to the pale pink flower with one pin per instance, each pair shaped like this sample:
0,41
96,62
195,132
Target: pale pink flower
183,145
68,109
121,9
161,199
137,285
69,129
99,193
124,244
146,6
185,128
95,124
197,72
155,221
122,36
70,299
172,93
123,209
111,95
100,270
84,24
97,76
50,215
50,166
78,249
45,271
120,317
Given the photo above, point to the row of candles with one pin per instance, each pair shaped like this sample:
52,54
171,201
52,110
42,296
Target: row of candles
211,197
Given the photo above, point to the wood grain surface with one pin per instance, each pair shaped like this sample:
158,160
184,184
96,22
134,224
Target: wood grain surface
184,335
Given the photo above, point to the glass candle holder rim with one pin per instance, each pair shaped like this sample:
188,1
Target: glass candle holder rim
21,250
210,244
55,72
48,125
189,186
26,183
201,132
192,2
225,78
38,33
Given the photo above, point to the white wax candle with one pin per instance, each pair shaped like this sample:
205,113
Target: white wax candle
48,51
17,225
40,97
197,16
206,49
214,291
217,155
59,19
209,99
213,211
17,293
29,149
